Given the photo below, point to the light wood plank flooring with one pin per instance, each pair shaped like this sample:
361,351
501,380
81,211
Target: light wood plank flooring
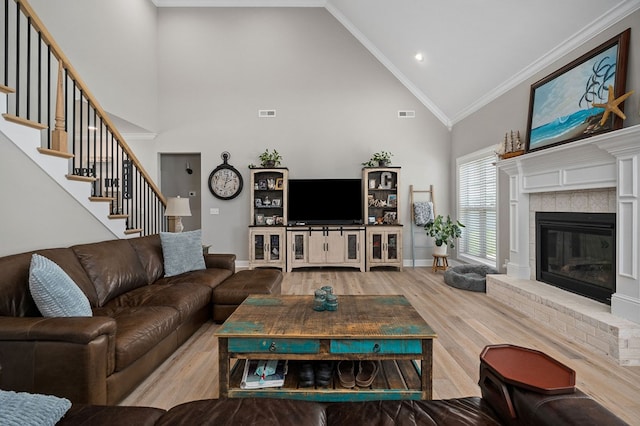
465,323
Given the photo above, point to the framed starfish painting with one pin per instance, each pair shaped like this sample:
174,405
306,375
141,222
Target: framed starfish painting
581,99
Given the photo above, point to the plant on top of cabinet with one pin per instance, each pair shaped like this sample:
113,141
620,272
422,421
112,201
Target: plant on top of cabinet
379,159
270,159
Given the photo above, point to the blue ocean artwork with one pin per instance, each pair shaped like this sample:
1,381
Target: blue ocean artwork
562,107
564,126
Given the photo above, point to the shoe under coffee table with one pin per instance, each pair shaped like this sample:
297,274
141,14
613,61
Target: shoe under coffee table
384,328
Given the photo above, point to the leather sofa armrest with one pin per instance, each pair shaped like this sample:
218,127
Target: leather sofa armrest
221,260
68,357
73,329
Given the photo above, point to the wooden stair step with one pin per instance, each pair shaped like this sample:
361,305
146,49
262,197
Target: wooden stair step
6,89
81,178
118,216
133,231
55,153
102,199
23,121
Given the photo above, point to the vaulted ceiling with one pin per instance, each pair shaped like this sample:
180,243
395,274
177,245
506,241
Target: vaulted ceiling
473,50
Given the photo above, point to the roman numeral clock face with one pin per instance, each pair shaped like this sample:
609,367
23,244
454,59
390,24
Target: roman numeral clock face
225,182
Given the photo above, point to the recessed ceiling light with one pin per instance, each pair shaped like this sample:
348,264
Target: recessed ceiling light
419,57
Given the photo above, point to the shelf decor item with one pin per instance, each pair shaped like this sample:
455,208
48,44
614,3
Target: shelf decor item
379,159
444,232
270,159
568,105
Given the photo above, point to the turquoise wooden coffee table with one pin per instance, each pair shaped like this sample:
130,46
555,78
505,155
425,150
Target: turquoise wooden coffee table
384,328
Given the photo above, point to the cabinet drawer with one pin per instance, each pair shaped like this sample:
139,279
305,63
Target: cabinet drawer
376,346
288,346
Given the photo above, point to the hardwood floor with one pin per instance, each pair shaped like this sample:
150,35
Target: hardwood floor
465,323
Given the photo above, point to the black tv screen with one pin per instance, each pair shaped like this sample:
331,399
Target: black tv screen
325,201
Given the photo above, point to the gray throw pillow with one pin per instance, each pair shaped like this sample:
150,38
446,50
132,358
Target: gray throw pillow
55,293
182,252
27,409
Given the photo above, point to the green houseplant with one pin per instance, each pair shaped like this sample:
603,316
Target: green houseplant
444,232
270,159
379,159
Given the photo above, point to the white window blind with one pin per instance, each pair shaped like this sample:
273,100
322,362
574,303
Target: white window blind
477,206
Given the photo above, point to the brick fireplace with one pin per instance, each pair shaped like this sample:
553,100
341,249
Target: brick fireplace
595,175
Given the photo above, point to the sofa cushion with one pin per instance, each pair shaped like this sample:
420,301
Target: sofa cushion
113,267
459,411
55,294
21,408
207,277
247,411
66,259
109,415
182,252
139,330
187,298
149,251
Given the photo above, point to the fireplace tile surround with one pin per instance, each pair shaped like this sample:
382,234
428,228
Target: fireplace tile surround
599,174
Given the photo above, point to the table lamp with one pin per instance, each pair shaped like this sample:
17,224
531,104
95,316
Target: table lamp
176,208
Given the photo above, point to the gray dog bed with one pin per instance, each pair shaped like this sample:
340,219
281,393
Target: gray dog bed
469,277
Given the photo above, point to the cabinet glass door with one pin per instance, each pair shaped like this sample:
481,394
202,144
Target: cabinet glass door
376,248
392,246
298,247
274,247
352,247
258,247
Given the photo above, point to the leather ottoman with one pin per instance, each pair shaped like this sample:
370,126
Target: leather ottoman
232,292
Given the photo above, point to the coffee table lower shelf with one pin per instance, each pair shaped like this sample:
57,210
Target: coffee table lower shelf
396,380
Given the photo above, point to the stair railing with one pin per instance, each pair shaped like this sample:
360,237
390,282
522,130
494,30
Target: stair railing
45,89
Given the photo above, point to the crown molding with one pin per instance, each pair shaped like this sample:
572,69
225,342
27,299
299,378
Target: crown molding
389,65
239,3
613,16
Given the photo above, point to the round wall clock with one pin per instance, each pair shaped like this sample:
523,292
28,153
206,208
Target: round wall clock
225,182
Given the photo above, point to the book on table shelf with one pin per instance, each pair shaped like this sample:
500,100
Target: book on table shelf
262,373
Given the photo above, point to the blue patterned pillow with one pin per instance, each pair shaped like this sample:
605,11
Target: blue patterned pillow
55,293
27,409
182,252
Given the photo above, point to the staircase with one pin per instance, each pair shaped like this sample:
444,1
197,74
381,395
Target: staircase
50,114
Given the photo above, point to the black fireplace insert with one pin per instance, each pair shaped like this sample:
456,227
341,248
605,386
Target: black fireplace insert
577,252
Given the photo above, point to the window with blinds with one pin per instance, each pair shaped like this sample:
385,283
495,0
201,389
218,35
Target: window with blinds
477,206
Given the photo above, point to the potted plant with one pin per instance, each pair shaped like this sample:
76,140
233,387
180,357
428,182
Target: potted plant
379,159
444,232
270,159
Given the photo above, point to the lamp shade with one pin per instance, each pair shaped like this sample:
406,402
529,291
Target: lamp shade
177,206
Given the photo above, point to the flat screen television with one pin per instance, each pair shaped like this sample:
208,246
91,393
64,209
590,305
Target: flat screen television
325,201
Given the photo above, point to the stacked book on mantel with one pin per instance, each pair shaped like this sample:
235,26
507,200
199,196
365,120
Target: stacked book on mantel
261,373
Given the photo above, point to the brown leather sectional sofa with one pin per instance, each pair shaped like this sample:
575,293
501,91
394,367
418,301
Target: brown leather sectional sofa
532,409
139,319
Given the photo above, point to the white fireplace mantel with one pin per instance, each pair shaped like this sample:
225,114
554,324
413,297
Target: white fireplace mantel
609,160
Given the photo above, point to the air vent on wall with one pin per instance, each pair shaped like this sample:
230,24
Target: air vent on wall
406,114
266,113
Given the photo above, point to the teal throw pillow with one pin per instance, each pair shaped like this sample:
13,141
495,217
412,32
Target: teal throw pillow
55,293
27,409
182,252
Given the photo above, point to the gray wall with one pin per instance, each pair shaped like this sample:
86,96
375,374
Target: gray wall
336,105
36,212
487,126
112,44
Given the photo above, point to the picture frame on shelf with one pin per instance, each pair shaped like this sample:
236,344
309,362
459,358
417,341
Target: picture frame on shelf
262,184
561,105
279,183
258,202
276,202
269,220
259,219
390,218
279,220
392,200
